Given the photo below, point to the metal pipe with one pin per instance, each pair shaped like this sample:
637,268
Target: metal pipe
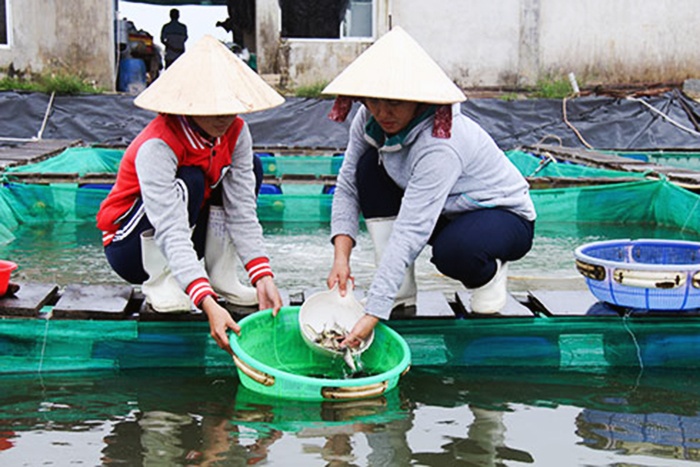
41,130
46,116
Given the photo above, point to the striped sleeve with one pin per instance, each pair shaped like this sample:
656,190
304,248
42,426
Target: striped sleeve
200,289
258,268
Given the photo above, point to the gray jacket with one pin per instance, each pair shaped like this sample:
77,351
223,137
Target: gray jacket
156,165
439,176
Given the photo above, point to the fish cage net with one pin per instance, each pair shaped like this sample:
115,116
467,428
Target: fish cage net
70,187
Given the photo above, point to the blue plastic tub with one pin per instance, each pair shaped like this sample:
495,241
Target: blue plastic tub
645,274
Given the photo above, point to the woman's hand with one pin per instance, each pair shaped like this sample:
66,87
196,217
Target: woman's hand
362,329
220,322
268,295
340,271
340,274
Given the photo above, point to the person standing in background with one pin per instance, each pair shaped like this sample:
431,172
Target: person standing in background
173,35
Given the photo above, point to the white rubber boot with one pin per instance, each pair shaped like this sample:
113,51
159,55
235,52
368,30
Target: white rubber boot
379,230
491,297
161,289
220,259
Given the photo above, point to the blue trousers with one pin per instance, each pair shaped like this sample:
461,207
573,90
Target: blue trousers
465,247
124,252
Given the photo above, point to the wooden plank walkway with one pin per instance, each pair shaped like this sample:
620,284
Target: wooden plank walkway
118,302
686,178
560,303
122,302
126,302
33,151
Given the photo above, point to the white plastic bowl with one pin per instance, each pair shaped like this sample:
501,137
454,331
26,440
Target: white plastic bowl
326,310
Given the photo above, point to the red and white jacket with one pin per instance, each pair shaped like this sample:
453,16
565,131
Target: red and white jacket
147,171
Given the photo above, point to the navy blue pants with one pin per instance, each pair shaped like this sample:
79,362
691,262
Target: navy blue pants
124,252
465,247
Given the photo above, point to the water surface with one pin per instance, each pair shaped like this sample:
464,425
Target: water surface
436,417
301,255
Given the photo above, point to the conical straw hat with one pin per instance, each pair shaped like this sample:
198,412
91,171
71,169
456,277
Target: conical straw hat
208,79
396,67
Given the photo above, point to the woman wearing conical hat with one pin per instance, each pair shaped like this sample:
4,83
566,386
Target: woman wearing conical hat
186,191
421,173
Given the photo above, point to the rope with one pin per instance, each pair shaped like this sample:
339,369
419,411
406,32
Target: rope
566,120
625,324
664,116
688,111
43,344
549,135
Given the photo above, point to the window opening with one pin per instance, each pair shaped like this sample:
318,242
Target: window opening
327,19
358,19
4,27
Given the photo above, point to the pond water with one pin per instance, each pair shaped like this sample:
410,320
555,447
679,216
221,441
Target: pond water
301,255
436,417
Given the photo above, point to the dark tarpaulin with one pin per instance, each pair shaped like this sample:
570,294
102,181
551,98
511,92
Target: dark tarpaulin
603,122
299,123
114,120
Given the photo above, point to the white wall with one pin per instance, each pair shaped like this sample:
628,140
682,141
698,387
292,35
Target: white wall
513,42
642,40
475,42
76,36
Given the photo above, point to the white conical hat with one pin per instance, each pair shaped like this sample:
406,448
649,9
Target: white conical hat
208,79
396,67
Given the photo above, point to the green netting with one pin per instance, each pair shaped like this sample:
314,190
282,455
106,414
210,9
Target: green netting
533,166
87,160
586,344
647,202
36,345
81,161
572,343
301,165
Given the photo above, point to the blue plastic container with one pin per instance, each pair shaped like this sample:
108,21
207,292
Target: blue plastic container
132,75
644,274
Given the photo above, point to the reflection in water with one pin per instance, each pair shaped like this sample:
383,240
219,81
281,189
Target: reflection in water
438,416
659,435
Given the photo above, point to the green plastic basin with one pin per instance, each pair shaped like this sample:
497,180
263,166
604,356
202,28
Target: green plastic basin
272,359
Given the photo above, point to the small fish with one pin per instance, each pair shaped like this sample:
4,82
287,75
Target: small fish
349,358
330,339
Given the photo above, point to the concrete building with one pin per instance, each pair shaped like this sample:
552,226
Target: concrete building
486,43
71,36
480,43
